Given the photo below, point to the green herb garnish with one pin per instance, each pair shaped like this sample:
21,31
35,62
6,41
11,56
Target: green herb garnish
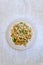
22,31
14,40
21,22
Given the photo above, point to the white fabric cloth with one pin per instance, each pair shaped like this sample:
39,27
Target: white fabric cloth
14,9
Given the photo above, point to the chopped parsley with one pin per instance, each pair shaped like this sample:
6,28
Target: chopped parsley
14,40
21,23
22,31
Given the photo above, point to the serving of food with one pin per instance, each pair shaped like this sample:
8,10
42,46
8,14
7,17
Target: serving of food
21,33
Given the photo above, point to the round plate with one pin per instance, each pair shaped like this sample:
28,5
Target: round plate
20,47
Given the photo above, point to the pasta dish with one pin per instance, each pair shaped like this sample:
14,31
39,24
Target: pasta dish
21,33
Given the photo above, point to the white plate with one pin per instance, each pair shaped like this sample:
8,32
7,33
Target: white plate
8,35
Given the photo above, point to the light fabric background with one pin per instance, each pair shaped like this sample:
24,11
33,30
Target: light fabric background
13,9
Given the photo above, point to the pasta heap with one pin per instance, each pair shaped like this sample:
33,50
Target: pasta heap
21,34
